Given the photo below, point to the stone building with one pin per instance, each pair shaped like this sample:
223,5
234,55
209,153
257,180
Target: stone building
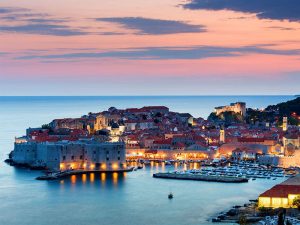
63,155
238,107
104,120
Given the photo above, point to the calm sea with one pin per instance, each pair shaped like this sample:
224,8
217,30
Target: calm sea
133,198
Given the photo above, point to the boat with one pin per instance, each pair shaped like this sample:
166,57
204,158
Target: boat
170,196
140,167
167,163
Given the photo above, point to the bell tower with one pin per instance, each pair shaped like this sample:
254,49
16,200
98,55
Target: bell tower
222,135
285,123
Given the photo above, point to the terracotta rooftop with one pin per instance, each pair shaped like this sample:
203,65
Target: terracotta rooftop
281,191
251,139
290,186
163,142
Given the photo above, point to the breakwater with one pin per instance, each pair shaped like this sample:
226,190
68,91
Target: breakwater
185,176
58,175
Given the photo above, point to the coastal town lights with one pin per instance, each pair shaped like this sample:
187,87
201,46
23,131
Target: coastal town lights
115,166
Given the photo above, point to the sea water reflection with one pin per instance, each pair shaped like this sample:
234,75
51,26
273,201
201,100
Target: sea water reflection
134,198
99,180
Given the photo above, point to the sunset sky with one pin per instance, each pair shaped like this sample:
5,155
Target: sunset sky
149,47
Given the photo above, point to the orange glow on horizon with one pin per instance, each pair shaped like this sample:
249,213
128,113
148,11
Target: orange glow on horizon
269,44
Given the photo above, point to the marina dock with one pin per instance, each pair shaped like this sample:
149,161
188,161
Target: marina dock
185,176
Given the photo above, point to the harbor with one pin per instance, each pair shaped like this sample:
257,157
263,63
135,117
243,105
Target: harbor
246,170
198,177
218,172
88,175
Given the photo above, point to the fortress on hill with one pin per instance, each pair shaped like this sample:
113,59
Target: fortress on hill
238,107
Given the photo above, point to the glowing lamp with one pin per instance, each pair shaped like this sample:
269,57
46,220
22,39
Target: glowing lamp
115,166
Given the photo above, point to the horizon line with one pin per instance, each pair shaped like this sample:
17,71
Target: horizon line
206,95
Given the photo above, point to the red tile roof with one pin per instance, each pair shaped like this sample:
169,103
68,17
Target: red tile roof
155,108
281,191
135,110
151,152
251,139
163,142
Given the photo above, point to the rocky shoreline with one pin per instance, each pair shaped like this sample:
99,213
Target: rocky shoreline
24,165
246,213
250,214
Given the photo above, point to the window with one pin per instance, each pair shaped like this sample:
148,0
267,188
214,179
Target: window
119,158
72,157
107,159
64,158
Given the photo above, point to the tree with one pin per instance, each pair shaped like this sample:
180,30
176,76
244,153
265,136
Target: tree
296,202
242,220
46,126
263,211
